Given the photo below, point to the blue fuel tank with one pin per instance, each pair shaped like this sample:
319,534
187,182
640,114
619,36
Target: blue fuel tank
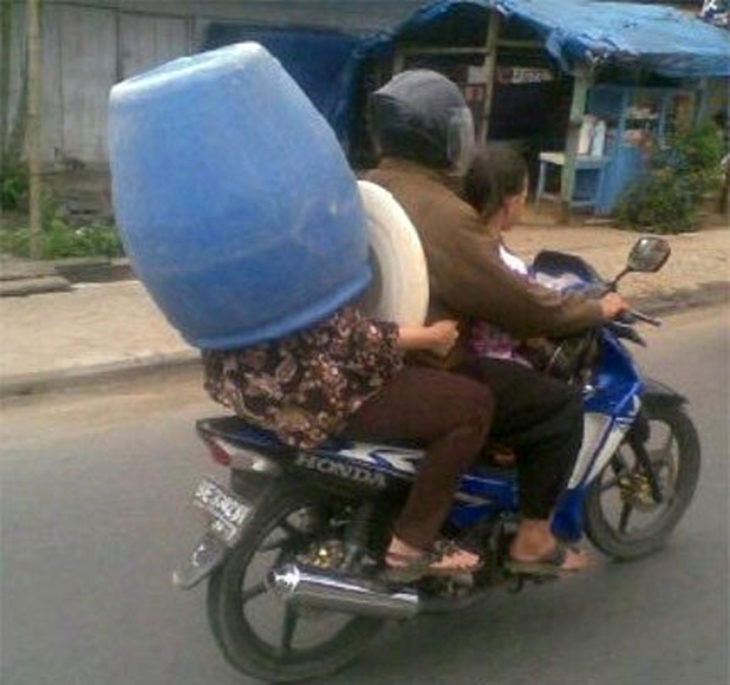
236,205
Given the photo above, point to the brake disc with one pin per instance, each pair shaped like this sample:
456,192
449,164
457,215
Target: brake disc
636,489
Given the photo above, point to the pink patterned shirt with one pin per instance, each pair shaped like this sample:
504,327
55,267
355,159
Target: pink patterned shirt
487,340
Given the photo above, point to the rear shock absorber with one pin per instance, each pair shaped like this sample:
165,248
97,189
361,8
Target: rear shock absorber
358,534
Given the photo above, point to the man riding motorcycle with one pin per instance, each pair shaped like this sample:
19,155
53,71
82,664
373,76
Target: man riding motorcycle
425,133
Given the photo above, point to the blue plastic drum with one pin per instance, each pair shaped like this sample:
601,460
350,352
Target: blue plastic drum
237,206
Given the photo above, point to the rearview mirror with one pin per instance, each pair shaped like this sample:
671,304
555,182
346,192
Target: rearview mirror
648,254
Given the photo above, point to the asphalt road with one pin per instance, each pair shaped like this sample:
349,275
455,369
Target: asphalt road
94,492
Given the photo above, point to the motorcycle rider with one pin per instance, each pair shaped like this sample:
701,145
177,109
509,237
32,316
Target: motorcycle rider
425,133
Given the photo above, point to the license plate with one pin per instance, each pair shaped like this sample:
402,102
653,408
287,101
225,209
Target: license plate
226,514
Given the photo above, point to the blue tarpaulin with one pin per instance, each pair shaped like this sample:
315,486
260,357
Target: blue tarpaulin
319,61
659,39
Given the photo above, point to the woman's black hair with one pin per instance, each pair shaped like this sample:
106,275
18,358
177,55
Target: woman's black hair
495,174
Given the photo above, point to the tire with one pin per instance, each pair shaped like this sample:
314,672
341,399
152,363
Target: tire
678,465
399,291
248,650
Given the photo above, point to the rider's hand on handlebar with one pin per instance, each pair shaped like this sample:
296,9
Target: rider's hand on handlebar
613,305
443,336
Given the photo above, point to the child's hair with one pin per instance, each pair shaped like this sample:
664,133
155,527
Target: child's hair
495,174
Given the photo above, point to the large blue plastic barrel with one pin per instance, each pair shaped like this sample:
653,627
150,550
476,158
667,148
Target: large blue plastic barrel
237,207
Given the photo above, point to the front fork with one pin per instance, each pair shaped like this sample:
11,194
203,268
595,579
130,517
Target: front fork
568,518
637,437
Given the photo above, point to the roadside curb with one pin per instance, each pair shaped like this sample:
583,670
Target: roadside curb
678,301
22,287
80,376
704,295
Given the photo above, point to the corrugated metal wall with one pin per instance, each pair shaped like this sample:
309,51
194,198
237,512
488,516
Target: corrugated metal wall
79,77
86,51
90,46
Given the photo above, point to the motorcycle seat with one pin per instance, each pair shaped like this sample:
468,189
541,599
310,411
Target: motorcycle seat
242,434
239,433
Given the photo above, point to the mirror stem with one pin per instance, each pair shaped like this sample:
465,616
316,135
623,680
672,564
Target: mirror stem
614,283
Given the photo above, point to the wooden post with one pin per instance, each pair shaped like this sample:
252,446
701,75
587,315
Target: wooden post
33,132
701,102
6,32
581,83
490,70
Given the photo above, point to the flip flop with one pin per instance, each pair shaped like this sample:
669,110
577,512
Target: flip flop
407,568
549,567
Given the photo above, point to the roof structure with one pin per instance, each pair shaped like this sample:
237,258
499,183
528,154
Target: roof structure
659,38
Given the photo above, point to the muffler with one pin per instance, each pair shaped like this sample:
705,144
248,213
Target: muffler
313,588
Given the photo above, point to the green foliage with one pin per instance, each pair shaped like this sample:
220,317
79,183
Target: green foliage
680,175
59,240
14,187
664,202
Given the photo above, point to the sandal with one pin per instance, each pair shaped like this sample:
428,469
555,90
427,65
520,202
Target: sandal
551,566
406,568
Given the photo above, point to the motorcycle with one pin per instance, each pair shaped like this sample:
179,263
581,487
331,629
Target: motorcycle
294,548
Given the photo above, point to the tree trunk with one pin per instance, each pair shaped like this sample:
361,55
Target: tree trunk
33,140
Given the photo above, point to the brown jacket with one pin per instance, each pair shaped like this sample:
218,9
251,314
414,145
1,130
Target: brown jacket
467,276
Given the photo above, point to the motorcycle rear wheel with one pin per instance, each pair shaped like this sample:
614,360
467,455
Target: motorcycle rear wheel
674,449
241,609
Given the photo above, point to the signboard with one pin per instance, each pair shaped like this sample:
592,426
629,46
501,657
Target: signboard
523,75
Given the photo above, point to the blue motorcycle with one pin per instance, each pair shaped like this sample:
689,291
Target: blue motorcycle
294,547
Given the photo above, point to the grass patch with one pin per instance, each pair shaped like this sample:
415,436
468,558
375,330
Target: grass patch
59,239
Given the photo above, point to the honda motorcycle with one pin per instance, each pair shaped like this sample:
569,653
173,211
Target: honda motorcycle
294,547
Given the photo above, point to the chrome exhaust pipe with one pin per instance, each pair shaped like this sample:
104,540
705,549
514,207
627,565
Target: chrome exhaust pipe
316,589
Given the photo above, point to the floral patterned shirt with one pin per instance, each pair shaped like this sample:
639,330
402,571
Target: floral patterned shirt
304,387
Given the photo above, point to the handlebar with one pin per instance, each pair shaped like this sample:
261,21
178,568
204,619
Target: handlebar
626,331
640,316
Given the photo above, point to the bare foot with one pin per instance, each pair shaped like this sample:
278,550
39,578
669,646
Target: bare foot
577,560
536,550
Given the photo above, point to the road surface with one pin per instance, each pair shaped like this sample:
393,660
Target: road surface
94,517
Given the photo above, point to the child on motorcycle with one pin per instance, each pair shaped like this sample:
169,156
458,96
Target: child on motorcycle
345,377
496,186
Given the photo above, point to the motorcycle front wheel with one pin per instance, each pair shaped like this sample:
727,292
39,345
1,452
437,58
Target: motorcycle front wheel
622,518
256,632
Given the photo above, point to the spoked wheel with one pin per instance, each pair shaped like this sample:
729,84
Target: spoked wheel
257,633
622,517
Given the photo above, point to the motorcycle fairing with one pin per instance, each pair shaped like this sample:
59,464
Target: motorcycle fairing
615,383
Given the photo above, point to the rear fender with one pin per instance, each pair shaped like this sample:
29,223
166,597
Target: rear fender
254,488
206,556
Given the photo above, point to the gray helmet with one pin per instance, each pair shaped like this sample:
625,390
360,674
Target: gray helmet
421,115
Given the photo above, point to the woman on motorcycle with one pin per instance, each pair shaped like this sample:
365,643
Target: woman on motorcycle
345,377
423,128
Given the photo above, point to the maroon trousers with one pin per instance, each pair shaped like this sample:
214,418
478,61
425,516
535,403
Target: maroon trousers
452,415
